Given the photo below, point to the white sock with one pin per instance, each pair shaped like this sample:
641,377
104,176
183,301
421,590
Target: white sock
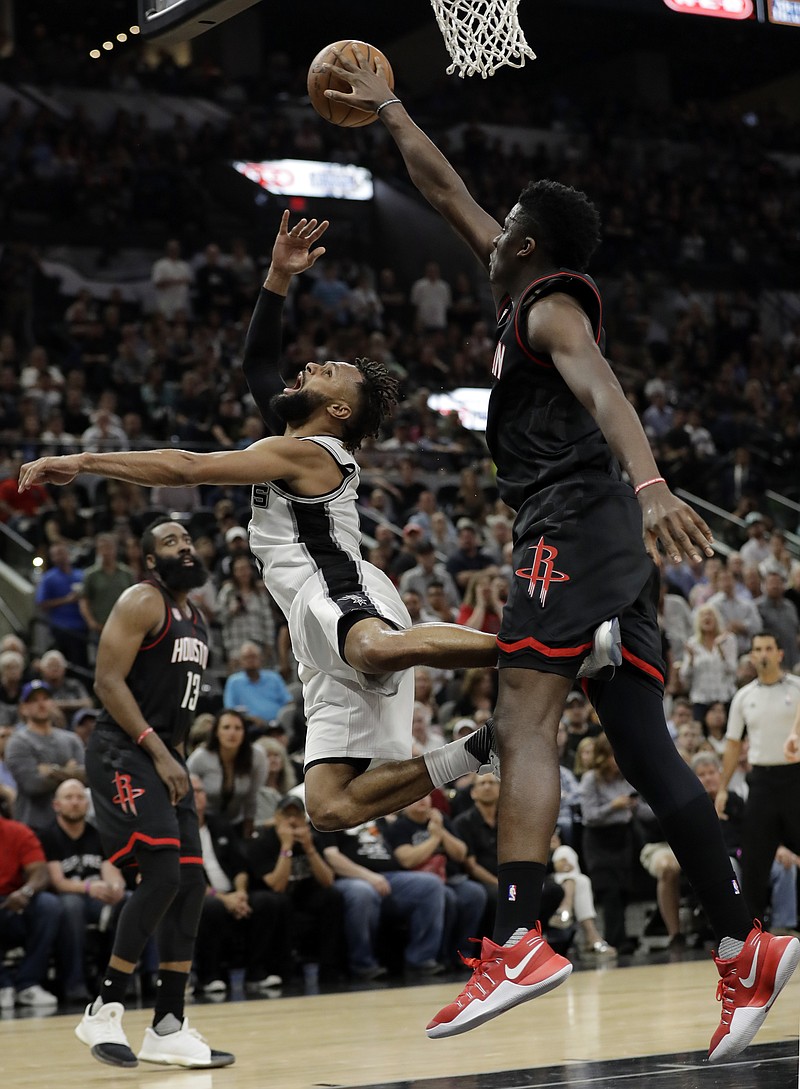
518,934
98,1002
450,761
729,948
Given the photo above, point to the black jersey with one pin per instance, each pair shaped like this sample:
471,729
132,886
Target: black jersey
167,672
537,431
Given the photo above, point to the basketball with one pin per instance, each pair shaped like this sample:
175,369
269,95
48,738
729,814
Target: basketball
318,82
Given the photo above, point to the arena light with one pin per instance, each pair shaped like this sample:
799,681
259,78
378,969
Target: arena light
122,37
37,561
108,45
95,54
134,29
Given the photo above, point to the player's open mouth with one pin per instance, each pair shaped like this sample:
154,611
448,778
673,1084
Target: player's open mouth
298,384
188,561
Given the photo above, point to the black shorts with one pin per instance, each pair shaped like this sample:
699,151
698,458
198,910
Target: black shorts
131,803
578,560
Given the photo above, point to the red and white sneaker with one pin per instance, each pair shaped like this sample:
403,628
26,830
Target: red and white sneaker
503,977
748,986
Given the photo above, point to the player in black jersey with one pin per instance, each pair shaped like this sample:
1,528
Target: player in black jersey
559,428
150,662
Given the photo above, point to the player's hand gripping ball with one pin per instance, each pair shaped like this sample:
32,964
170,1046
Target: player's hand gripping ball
339,113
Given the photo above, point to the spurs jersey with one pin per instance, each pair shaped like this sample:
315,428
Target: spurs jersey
295,538
537,431
167,672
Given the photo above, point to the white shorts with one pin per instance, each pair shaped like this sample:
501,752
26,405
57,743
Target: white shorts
350,715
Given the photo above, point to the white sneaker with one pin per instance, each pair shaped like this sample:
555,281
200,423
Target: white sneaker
104,1034
183,1047
216,986
6,998
259,986
36,997
606,652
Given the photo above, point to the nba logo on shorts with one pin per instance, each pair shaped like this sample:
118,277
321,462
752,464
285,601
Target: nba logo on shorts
736,888
512,894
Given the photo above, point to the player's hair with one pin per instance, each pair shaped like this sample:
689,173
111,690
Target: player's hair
563,221
148,537
378,394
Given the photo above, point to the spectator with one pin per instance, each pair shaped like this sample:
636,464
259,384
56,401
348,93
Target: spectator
85,882
780,617
468,557
739,615
477,827
29,917
431,298
675,619
57,596
577,716
423,839
483,602
478,692
236,544
424,736
232,770
232,912
714,723
584,757
105,434
7,781
18,510
66,524
171,278
437,603
40,757
755,550
245,612
83,723
12,670
708,666
578,903
260,692
68,693
428,570
413,603
288,859
370,882
779,559
281,779
103,583
215,286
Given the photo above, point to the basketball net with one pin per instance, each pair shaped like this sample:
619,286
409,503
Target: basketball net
481,35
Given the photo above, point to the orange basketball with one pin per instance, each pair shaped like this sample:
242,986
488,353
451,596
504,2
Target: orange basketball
318,82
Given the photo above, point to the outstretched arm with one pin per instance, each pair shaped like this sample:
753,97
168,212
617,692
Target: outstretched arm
291,255
429,170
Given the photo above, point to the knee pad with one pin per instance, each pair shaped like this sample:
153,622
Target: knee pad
139,919
178,930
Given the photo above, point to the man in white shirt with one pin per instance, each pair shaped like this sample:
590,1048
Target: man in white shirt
768,709
171,277
740,616
431,298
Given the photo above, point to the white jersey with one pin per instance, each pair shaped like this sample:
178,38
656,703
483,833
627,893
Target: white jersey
295,538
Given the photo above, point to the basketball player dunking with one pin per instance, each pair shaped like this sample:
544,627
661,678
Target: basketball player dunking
350,632
150,661
559,428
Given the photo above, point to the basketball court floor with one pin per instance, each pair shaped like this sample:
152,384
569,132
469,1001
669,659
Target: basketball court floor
640,1027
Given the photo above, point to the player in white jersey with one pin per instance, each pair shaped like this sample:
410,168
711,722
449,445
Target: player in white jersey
350,631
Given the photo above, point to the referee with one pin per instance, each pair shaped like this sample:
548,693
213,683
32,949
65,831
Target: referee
767,708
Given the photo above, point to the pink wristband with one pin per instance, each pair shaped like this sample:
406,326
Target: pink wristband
88,885
647,483
144,734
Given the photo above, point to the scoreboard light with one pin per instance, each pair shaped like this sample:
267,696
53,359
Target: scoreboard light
721,9
784,12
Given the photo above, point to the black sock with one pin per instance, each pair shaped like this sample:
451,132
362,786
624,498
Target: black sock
519,897
115,985
695,835
170,995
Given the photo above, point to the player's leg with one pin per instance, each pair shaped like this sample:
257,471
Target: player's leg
374,646
518,964
761,837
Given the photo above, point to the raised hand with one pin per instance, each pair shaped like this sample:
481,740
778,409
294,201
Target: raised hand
370,88
292,252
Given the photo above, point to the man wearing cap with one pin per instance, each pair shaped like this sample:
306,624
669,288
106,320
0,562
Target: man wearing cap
261,692
83,723
576,719
288,859
755,550
427,570
469,556
236,545
40,756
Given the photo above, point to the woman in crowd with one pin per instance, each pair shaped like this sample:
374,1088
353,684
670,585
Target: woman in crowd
715,723
483,602
280,778
232,770
245,612
584,757
708,666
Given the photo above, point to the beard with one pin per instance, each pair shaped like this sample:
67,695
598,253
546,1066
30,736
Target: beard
294,409
178,577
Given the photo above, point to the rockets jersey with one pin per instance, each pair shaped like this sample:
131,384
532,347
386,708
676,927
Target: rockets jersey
167,672
296,538
537,430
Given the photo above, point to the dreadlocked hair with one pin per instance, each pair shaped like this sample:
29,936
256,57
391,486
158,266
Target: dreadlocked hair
378,394
563,221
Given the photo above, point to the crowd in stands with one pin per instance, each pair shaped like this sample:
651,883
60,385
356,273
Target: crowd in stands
718,396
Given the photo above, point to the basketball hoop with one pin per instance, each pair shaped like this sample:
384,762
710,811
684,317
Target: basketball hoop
481,35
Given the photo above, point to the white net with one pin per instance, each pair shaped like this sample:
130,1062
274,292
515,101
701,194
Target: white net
481,35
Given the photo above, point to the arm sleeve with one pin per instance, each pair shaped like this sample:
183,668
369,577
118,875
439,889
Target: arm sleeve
262,354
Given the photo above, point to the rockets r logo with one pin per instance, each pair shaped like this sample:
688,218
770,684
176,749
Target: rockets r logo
542,570
126,793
